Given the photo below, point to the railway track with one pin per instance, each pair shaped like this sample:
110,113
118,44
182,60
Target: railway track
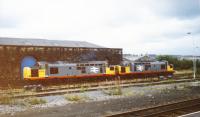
173,109
101,87
123,82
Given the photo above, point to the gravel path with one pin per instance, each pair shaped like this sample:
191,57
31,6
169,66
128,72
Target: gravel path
141,97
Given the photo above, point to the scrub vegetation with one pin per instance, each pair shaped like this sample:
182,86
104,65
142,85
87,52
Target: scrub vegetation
116,90
9,100
35,101
83,89
76,97
6,99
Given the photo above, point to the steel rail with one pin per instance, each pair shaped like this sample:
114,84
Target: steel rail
173,108
77,90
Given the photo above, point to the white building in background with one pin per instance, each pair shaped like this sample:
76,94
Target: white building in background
189,57
133,57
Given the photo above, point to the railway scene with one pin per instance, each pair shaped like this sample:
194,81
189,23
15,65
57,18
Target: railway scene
117,58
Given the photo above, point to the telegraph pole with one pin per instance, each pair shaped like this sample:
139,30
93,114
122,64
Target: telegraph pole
194,58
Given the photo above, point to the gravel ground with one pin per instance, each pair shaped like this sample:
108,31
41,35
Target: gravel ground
100,104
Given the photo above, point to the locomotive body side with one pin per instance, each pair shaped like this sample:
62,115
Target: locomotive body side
49,70
150,66
44,70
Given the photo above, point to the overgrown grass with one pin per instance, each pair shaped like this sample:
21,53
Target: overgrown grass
128,93
183,72
116,90
165,90
35,101
83,89
76,97
170,81
6,99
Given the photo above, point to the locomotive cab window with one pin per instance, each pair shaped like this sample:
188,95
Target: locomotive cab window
162,67
83,70
34,72
53,70
123,69
81,64
78,68
112,68
101,70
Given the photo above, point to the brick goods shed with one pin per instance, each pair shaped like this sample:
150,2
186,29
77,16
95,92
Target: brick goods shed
15,53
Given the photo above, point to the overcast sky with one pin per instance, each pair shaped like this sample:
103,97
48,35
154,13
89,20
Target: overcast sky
137,26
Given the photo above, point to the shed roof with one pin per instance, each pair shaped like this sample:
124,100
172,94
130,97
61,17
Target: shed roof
45,42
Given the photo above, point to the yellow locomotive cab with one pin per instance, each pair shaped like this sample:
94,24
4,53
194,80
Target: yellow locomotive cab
110,70
41,72
170,68
37,73
128,69
117,69
27,72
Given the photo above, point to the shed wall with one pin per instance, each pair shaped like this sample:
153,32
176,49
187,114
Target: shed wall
11,57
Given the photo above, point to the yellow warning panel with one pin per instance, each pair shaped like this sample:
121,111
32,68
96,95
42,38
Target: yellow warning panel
41,72
27,72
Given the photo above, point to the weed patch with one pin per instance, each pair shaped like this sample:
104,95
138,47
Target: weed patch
35,101
76,97
6,99
117,90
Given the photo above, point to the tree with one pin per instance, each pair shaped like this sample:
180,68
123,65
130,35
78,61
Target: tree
178,64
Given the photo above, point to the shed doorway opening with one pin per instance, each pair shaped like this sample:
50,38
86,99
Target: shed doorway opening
27,61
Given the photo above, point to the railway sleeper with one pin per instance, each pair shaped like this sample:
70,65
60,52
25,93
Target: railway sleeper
36,88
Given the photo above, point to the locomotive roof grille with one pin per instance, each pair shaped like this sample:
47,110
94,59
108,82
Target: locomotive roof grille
61,65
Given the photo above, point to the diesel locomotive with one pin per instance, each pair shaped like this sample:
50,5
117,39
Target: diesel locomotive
63,69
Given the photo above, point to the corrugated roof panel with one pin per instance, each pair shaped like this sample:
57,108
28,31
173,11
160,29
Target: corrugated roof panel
45,42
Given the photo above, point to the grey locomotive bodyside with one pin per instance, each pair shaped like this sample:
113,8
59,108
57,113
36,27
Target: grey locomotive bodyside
148,66
72,69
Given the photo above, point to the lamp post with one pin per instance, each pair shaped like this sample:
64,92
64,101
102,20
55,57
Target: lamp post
194,58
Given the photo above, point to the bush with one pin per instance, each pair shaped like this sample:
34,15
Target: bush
6,99
75,97
35,101
114,91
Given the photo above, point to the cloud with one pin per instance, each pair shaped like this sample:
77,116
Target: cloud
145,26
8,22
182,9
